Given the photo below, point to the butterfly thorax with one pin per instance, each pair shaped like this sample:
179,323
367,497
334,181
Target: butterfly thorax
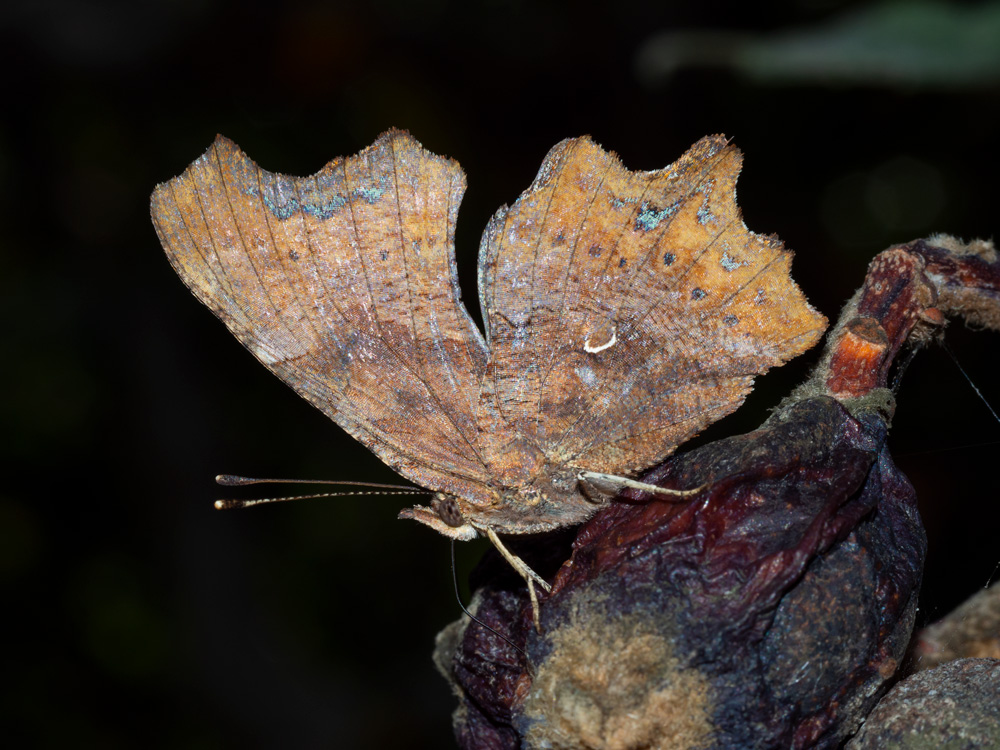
552,499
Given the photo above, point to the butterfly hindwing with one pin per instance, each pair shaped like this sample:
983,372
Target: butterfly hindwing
628,310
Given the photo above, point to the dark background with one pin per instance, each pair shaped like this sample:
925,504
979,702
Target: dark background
143,617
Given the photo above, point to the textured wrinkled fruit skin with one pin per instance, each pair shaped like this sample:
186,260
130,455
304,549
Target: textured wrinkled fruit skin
770,611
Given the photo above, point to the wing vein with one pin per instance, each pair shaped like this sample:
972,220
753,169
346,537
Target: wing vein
401,361
626,376
246,249
565,285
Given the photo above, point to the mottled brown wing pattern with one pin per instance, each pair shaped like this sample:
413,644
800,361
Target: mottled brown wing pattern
624,312
628,310
344,285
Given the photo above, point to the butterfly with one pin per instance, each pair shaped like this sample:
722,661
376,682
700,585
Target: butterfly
623,312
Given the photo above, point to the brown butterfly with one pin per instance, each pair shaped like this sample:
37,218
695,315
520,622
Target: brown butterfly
624,311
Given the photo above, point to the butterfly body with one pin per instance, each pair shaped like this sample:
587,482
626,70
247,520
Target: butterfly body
557,498
623,312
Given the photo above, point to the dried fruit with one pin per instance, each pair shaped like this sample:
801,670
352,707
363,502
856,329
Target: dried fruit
770,611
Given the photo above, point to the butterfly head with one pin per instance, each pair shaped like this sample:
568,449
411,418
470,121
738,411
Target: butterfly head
444,516
448,510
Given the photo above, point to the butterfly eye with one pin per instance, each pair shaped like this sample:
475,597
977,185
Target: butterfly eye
447,509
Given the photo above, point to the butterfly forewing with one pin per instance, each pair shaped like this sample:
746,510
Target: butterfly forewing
344,285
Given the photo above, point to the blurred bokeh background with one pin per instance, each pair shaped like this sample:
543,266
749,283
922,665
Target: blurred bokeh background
137,615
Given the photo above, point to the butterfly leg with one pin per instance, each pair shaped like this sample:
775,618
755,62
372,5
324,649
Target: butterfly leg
599,485
530,576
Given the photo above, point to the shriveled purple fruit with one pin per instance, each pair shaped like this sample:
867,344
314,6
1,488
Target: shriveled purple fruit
759,615
770,611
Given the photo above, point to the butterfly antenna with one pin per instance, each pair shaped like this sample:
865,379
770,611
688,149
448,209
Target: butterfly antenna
230,480
458,598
